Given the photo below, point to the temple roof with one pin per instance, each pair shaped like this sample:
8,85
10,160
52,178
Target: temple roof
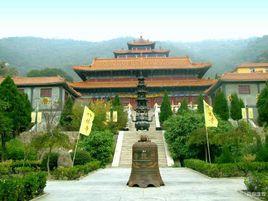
141,63
151,82
43,81
239,78
247,65
140,41
244,77
141,51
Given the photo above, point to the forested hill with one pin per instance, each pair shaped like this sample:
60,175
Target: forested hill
27,53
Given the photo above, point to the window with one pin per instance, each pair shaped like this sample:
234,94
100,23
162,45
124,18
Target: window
21,90
46,92
244,89
252,70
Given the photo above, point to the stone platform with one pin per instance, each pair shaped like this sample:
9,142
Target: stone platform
181,184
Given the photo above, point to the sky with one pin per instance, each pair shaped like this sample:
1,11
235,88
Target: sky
97,20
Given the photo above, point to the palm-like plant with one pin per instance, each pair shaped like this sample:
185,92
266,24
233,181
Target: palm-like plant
50,140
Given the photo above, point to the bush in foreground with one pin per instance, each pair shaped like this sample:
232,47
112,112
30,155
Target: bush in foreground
18,187
226,169
258,182
71,173
100,145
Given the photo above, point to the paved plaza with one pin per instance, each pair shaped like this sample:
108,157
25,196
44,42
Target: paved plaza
181,184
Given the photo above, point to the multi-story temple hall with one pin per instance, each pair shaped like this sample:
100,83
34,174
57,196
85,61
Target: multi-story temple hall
179,76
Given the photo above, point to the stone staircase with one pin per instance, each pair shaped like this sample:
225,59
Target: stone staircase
131,137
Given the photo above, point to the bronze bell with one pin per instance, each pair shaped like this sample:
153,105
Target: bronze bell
145,170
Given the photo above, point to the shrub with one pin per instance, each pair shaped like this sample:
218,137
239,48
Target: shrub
165,110
262,106
12,167
71,173
178,129
100,145
35,165
53,162
81,157
67,115
226,169
257,182
18,187
235,108
220,106
15,150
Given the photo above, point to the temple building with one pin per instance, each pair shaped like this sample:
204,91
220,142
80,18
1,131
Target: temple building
247,80
179,76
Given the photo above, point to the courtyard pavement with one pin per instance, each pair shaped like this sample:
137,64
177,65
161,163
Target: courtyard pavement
181,184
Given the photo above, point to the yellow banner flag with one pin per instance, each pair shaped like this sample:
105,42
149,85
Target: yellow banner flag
210,119
244,113
108,116
114,116
34,118
86,124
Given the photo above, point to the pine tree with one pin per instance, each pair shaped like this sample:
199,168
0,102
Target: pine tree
18,106
200,106
116,101
5,128
121,114
262,105
220,106
184,106
235,109
165,109
67,114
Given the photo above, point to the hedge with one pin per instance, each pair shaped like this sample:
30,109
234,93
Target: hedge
12,167
258,182
226,169
71,173
22,187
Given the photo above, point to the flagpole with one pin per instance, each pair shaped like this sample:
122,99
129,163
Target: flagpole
209,159
76,147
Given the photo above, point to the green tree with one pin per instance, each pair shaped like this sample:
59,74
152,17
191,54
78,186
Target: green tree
49,141
99,107
165,109
235,108
262,105
121,115
67,114
220,105
5,129
77,111
184,106
178,130
197,141
116,101
18,108
49,72
200,106
100,145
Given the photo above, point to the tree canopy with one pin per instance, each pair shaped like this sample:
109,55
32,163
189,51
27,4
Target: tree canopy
200,106
18,108
165,109
67,115
236,105
262,105
220,105
184,106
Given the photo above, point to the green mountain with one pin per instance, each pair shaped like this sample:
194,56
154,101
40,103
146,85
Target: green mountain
27,53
